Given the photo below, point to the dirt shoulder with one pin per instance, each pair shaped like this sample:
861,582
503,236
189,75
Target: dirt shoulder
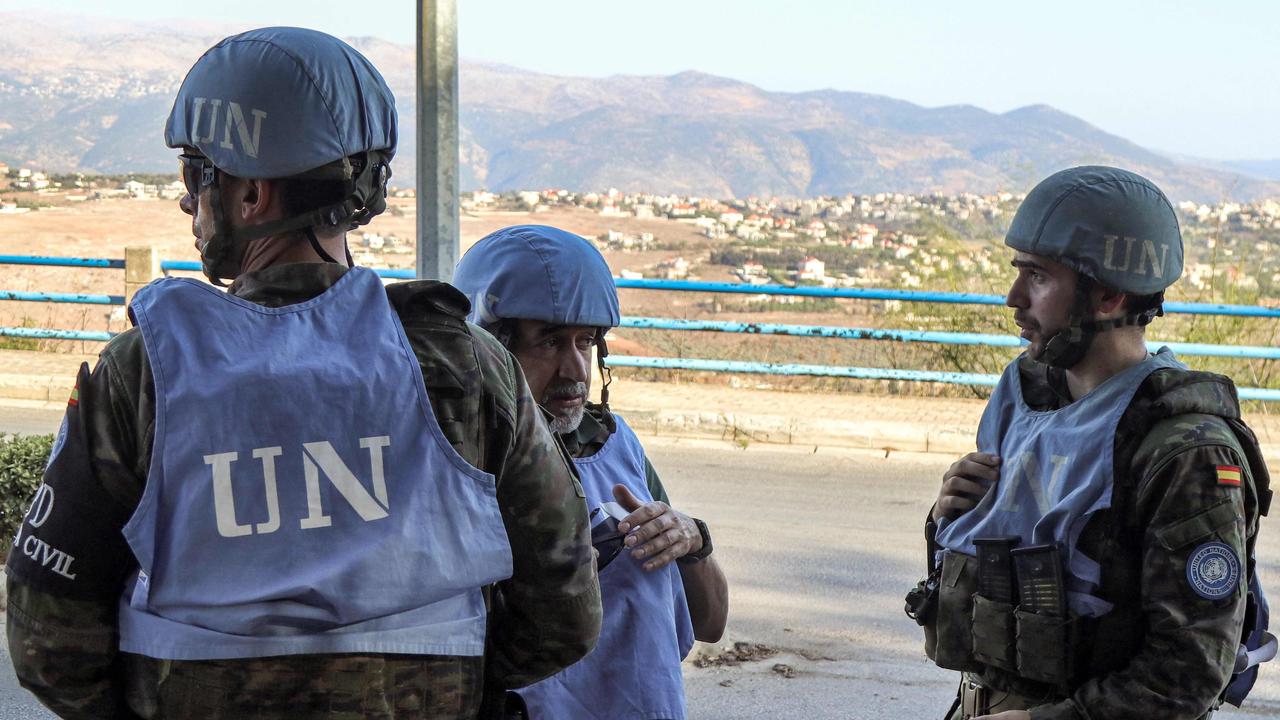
743,415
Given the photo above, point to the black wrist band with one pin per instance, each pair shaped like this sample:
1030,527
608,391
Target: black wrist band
703,551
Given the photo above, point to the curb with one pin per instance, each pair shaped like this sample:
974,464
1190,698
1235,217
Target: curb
742,429
782,430
39,388
786,430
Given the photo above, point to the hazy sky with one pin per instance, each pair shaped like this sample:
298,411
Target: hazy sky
1199,78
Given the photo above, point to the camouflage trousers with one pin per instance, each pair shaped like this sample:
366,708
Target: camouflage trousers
337,687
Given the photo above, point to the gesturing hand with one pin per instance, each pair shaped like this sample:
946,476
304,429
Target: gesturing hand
657,533
965,483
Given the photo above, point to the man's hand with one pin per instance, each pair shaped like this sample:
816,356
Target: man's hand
1007,715
965,483
658,534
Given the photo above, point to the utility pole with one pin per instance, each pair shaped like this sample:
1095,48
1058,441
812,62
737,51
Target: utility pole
437,128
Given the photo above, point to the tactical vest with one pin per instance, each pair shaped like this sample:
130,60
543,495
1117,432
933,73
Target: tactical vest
1057,472
1101,645
301,496
634,671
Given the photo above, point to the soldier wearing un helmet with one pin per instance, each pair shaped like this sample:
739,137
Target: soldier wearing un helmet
1092,559
549,297
300,497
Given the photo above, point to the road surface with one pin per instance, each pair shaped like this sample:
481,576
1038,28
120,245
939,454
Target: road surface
819,547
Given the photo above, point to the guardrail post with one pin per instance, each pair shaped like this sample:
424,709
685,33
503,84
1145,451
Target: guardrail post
141,266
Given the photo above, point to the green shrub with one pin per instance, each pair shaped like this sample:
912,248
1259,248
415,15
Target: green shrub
12,342
22,461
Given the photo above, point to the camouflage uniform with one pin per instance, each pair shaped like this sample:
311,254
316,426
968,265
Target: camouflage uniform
545,617
1164,651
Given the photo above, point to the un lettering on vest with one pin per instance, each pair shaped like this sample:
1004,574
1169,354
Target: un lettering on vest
318,458
1031,481
232,117
1147,257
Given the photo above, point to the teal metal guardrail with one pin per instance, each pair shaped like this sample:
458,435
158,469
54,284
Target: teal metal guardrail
928,336
834,332
61,261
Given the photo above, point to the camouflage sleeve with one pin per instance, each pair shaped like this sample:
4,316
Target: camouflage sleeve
64,652
68,563
548,613
656,489
1193,590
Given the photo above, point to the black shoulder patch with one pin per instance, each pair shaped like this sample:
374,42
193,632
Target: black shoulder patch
70,541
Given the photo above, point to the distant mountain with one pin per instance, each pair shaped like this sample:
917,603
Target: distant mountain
1254,169
1264,169
95,100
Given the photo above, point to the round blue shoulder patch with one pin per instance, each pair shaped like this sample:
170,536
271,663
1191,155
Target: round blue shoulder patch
1213,571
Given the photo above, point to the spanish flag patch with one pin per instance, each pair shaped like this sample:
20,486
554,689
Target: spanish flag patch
1229,475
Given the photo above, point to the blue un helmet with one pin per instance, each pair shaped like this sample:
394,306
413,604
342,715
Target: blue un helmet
284,103
538,272
1114,228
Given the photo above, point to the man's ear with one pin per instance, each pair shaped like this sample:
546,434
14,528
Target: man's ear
1110,302
258,200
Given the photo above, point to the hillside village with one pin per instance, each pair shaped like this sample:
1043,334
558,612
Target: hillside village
886,239
927,241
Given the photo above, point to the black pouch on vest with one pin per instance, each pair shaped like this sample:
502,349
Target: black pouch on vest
993,628
954,647
1039,572
995,568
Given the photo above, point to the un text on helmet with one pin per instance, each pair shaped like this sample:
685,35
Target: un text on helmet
234,116
1148,258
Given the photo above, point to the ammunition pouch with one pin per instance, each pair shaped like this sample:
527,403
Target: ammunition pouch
995,634
953,635
1044,647
972,633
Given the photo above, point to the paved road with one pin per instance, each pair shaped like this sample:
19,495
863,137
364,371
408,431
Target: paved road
29,418
819,548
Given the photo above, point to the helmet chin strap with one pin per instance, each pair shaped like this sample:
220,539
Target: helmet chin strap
1069,346
606,375
223,255
315,247
220,257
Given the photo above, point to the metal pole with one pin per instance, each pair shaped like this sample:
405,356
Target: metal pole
437,107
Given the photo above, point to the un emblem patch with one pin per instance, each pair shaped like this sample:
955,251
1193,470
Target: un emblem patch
1213,571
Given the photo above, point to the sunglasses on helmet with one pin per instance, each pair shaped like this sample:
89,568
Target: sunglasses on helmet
197,172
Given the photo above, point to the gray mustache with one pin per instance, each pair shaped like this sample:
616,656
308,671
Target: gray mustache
566,390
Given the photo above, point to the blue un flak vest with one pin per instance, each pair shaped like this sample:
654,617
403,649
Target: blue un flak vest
1057,469
301,496
634,671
